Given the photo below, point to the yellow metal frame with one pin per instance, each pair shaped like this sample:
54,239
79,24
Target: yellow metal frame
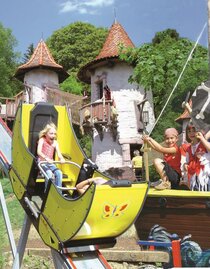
178,193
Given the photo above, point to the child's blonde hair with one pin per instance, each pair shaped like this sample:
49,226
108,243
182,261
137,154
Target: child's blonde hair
46,129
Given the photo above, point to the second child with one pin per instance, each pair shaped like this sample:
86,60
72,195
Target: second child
197,163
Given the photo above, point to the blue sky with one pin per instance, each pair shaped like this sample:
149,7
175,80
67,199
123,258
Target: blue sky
31,20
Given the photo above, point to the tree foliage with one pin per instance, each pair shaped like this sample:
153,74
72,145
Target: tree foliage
74,46
8,62
28,54
72,85
158,65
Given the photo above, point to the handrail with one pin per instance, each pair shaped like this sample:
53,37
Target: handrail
99,111
7,98
96,102
57,162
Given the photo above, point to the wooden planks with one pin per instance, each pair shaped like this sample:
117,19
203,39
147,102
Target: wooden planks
178,215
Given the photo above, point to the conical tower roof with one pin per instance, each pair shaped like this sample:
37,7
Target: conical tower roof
41,58
117,36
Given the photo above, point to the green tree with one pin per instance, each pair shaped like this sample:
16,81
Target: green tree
72,85
157,66
28,54
8,62
73,46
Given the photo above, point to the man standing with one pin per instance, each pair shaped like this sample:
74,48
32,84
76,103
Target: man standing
137,164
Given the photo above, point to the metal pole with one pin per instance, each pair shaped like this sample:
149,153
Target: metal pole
7,222
22,243
60,262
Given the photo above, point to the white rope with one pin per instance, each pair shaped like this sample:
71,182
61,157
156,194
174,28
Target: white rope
188,59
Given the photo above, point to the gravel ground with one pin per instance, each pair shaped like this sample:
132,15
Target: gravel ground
34,261
38,262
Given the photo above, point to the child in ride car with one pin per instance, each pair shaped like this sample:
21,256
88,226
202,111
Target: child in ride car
47,147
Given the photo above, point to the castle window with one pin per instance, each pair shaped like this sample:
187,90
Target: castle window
100,89
145,117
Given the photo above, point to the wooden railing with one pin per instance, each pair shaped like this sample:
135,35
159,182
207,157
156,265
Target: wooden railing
9,106
97,112
74,102
97,115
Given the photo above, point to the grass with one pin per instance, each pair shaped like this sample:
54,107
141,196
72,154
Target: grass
37,262
16,215
29,261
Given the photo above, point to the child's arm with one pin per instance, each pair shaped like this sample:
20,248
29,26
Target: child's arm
207,135
83,185
39,149
203,140
186,163
156,146
60,156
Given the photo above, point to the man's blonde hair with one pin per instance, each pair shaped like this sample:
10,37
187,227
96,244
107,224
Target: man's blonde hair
136,152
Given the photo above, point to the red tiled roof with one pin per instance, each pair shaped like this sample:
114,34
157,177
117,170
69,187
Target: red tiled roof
116,36
41,58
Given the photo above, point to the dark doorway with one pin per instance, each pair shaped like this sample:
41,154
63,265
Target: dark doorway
134,147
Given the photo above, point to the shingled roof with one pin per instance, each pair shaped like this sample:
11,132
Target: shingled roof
117,36
42,59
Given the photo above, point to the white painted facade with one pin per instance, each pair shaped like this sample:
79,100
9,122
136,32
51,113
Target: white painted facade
36,79
108,153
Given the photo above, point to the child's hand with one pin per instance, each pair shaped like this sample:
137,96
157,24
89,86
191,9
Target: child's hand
49,160
146,138
62,160
199,135
186,167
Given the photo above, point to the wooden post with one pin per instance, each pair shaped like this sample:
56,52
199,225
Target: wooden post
146,161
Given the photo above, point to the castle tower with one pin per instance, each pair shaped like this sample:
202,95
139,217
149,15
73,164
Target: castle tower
114,149
39,71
